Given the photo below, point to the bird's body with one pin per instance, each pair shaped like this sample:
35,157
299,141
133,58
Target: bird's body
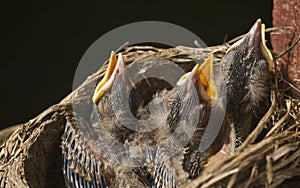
246,71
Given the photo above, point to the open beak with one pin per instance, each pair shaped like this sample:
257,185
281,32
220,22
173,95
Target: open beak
202,78
257,34
115,67
207,76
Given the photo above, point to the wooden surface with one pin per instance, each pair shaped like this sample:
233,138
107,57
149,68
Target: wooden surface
287,14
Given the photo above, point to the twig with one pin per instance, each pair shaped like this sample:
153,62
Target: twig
260,125
283,119
289,49
291,85
218,178
252,175
269,170
232,180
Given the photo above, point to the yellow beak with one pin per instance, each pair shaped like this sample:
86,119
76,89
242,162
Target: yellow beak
206,76
112,70
203,74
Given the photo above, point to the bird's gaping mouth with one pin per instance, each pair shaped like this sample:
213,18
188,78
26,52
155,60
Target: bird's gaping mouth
202,77
115,67
257,33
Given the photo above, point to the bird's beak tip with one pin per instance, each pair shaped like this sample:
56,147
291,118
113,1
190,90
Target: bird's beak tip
121,66
201,77
255,33
258,21
195,70
194,76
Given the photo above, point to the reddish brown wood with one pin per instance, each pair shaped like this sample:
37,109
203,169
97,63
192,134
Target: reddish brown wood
287,13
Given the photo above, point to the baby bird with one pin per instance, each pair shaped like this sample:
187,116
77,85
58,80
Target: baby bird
201,130
158,149
246,70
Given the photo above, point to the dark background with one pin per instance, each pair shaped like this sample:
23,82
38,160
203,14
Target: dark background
42,43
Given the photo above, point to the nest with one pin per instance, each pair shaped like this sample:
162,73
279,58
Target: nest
270,162
270,155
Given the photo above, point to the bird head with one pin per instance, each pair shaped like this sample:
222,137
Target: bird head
252,47
201,77
115,68
246,68
189,103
